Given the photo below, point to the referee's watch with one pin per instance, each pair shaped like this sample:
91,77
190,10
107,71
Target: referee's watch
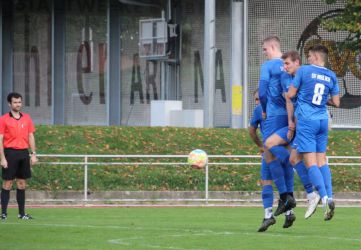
33,153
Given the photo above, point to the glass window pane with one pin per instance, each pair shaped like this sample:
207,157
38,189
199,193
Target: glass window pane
32,58
85,62
192,62
140,78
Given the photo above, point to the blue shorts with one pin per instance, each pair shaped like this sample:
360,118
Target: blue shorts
265,171
272,124
311,136
283,134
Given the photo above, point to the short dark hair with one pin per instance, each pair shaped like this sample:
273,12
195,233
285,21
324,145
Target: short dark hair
293,55
319,48
13,95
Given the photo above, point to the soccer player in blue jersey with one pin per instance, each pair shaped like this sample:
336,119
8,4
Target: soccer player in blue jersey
313,84
292,62
274,110
266,178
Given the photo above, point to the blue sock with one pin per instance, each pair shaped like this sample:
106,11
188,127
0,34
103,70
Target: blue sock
267,196
278,176
281,153
289,178
327,178
316,178
303,174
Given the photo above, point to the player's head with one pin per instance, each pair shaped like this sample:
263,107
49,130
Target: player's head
271,47
317,55
292,61
15,101
256,96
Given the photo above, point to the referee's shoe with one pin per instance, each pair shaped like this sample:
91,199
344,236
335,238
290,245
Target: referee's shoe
25,217
4,216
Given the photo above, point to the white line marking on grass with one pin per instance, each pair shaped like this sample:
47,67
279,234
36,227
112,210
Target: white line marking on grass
302,236
125,242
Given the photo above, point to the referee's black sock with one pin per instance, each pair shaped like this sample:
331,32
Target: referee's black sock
20,198
5,196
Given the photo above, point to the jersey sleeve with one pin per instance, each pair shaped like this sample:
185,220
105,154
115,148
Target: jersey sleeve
263,85
296,82
284,83
2,126
335,90
255,119
31,125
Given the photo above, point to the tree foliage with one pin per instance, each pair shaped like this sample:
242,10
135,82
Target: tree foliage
349,21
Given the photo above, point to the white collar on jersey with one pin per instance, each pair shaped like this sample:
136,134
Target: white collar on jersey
322,67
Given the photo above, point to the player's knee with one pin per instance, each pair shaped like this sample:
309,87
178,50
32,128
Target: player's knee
269,143
21,184
273,141
294,160
266,182
7,185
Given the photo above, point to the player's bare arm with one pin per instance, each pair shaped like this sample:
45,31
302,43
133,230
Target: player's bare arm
335,100
33,158
292,91
255,138
290,113
4,162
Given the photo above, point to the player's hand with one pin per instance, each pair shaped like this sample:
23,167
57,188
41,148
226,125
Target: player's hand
33,159
264,115
290,134
291,130
4,163
291,125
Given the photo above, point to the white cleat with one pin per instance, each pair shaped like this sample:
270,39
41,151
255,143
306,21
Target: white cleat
312,204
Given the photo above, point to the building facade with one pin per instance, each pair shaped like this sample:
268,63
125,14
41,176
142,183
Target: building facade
85,62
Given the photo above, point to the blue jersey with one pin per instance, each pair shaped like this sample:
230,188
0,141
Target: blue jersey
270,89
286,80
257,119
314,84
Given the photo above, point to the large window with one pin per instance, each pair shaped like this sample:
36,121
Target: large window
32,57
85,67
140,78
192,63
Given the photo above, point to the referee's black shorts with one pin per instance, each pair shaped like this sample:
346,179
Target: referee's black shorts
18,164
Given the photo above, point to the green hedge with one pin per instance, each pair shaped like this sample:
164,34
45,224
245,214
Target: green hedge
159,140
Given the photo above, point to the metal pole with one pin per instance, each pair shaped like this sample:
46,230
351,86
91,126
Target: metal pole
206,183
237,55
209,62
86,178
245,63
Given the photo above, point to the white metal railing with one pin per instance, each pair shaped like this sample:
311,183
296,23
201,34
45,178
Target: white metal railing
85,161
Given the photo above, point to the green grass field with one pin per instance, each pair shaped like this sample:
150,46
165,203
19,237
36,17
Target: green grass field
176,228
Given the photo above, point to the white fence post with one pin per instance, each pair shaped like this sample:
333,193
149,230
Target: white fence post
206,181
85,178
